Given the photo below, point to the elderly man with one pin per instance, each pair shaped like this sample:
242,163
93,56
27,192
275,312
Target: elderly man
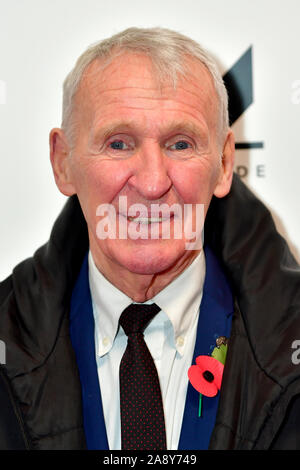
103,325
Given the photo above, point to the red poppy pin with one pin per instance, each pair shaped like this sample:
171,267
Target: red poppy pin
206,375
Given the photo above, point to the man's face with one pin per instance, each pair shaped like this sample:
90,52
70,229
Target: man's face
149,143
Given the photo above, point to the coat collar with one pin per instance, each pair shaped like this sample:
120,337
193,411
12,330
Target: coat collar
266,281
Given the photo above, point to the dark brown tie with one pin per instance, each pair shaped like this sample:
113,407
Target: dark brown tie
142,414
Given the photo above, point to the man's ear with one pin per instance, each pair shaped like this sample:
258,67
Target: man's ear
60,161
226,170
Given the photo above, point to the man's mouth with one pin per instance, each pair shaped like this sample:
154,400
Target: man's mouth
147,220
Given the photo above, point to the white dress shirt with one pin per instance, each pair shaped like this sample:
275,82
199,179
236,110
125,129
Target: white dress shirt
170,337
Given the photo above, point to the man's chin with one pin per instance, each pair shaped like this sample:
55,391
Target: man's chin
149,259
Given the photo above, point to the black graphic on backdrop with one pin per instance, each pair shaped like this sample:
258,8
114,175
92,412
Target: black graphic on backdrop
239,83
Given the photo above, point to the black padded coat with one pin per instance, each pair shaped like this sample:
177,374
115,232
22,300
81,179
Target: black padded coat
259,406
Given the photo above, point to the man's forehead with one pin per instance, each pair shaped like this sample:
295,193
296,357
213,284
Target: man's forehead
129,83
136,71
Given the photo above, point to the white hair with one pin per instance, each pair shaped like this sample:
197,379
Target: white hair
168,51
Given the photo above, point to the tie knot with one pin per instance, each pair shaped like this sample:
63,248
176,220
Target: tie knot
136,317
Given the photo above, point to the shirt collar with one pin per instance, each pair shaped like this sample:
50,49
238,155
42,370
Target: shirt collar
179,300
108,304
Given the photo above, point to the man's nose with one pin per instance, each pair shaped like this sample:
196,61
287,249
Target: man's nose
150,177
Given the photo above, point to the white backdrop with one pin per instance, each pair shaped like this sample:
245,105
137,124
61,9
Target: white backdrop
39,43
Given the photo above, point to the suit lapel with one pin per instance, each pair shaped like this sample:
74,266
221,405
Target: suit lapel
83,341
215,315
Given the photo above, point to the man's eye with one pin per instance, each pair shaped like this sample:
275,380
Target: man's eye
180,145
118,145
